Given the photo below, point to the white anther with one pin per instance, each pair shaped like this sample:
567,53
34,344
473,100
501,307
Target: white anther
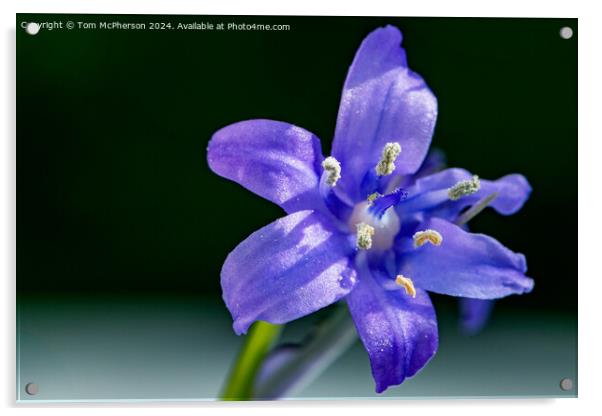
386,165
332,167
364,236
464,188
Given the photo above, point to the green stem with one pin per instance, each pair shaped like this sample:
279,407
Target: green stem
261,337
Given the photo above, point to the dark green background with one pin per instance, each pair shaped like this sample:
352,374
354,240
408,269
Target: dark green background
115,197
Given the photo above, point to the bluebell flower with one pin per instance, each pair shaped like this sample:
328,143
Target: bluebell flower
370,224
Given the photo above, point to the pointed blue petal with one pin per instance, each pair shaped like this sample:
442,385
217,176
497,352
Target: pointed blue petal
383,101
287,269
465,264
275,160
398,331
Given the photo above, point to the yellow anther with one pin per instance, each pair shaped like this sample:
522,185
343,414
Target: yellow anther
407,284
373,197
427,236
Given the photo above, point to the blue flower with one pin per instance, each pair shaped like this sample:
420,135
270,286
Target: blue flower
371,224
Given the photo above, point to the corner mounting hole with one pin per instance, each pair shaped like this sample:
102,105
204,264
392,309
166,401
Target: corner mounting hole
566,32
32,28
31,389
566,384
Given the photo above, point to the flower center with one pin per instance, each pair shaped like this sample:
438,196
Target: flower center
385,228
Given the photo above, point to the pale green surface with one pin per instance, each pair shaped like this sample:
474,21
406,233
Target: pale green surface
181,348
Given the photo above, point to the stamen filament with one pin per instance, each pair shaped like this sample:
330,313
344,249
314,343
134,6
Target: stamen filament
475,209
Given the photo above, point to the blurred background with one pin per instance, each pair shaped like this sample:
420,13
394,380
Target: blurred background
122,227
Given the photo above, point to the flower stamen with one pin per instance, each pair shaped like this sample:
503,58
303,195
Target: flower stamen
464,188
364,236
407,284
332,168
386,165
373,197
427,236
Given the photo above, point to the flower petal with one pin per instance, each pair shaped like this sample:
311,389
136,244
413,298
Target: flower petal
430,194
398,331
383,101
276,160
474,314
465,264
288,269
434,162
